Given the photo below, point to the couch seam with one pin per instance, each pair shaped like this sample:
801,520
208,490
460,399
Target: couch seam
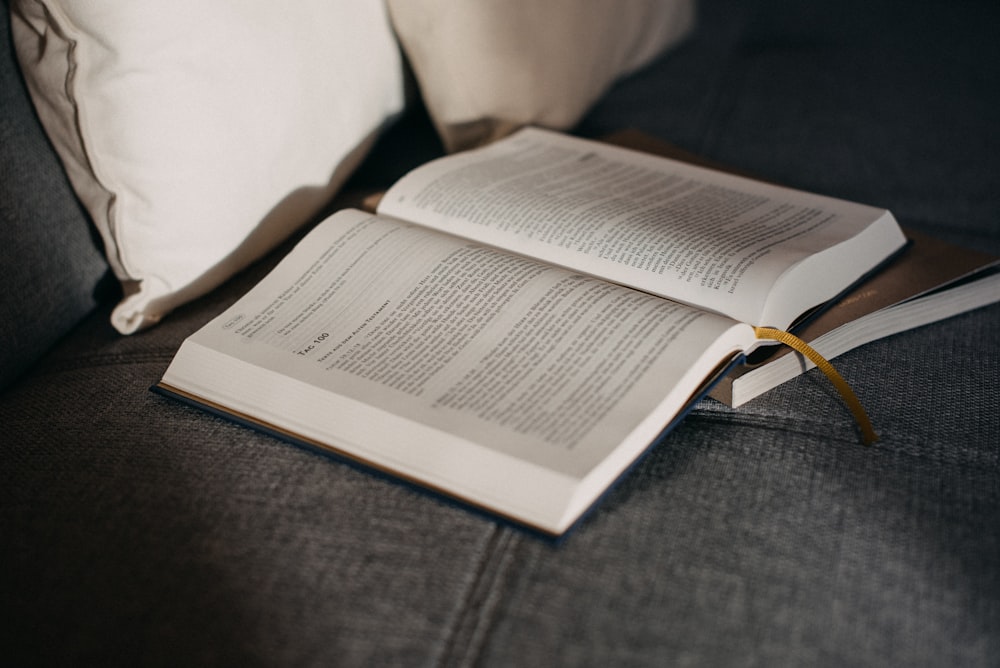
466,639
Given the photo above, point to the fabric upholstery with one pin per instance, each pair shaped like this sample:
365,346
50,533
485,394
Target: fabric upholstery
139,531
51,264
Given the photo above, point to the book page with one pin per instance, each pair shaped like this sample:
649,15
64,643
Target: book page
699,236
421,329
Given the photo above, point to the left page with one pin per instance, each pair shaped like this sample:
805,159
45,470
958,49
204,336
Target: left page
480,373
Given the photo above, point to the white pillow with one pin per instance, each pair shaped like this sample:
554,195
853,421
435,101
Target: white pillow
199,134
488,67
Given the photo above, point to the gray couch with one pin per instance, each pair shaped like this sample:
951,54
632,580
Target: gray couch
135,530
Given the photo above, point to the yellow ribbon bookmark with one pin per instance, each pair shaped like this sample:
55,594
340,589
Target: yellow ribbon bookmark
846,393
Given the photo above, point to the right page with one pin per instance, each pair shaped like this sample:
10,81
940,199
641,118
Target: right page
755,252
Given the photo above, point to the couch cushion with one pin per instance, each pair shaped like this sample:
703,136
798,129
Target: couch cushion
135,530
199,134
486,68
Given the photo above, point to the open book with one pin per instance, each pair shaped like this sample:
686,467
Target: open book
517,324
